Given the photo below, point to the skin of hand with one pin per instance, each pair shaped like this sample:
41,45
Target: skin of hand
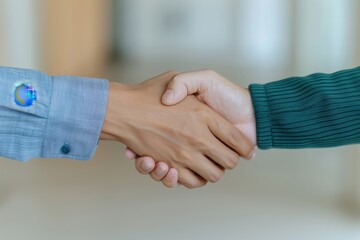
228,99
189,137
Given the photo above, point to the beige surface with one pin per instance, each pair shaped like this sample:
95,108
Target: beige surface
106,199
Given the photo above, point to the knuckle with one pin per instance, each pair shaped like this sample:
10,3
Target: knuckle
200,113
232,162
192,184
168,184
139,168
236,137
155,177
204,114
248,151
175,80
183,157
196,141
216,176
249,148
188,185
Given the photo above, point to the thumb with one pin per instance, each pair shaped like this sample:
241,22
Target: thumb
179,87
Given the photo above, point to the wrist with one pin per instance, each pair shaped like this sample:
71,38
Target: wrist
110,129
251,116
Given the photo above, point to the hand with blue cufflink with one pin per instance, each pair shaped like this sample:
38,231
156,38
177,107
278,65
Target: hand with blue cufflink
66,116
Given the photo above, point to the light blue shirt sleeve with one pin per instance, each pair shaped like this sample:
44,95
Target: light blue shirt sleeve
64,121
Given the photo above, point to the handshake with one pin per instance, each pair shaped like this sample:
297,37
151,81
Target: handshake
183,128
192,140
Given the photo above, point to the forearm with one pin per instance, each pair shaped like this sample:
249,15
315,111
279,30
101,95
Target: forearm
320,110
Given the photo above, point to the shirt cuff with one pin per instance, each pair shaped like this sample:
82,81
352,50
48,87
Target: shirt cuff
75,118
22,128
262,116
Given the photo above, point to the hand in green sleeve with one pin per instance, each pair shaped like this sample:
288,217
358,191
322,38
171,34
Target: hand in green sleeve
315,111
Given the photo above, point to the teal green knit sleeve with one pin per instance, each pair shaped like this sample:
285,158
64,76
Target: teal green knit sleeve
319,110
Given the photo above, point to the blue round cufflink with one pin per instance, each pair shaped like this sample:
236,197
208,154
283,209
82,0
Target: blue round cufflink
65,149
25,95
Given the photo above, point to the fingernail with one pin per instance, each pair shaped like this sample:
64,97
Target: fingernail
168,96
251,157
145,167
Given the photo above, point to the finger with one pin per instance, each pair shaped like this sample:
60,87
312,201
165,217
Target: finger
160,171
231,136
130,153
190,179
206,169
181,85
251,157
223,155
171,179
144,165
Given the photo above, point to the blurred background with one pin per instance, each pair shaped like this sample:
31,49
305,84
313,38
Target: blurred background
282,194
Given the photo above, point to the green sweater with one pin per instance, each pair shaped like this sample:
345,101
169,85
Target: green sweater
320,110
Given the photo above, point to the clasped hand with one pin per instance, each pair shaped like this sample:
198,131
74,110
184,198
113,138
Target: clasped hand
194,142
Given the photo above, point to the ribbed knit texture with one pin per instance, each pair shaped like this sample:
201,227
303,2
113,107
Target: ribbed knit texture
319,110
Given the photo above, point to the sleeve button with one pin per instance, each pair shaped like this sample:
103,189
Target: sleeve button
65,149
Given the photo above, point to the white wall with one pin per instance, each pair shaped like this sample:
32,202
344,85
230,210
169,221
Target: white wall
20,45
326,35
164,29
